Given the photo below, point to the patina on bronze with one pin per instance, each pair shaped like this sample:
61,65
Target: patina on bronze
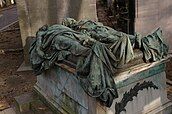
99,51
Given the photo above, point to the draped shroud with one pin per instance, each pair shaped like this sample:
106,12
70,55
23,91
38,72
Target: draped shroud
99,51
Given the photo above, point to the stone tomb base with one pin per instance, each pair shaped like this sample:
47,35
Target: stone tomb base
142,90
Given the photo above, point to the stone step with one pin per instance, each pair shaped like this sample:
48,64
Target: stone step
30,103
38,107
22,102
28,112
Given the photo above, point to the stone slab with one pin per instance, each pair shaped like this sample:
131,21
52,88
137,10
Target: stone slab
23,102
24,67
38,107
140,76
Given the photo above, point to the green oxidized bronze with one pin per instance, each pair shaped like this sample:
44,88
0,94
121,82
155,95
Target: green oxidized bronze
99,51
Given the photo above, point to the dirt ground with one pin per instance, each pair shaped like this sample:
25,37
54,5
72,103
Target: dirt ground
10,37
13,83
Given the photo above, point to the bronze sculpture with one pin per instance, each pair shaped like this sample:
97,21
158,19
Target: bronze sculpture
99,49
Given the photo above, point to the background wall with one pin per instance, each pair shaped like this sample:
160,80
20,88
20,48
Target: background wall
151,14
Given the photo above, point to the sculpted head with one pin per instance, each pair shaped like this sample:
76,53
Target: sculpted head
69,22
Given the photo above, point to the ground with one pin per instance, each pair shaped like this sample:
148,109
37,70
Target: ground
10,38
13,83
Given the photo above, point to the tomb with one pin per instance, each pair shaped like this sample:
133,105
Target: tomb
140,85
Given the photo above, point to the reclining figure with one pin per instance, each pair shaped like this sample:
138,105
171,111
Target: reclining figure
99,49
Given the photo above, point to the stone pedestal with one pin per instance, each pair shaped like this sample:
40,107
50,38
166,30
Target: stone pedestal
142,90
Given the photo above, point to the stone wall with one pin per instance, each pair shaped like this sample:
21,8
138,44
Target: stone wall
151,14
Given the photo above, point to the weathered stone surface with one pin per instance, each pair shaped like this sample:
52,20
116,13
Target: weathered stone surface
61,82
38,107
22,102
62,91
147,100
